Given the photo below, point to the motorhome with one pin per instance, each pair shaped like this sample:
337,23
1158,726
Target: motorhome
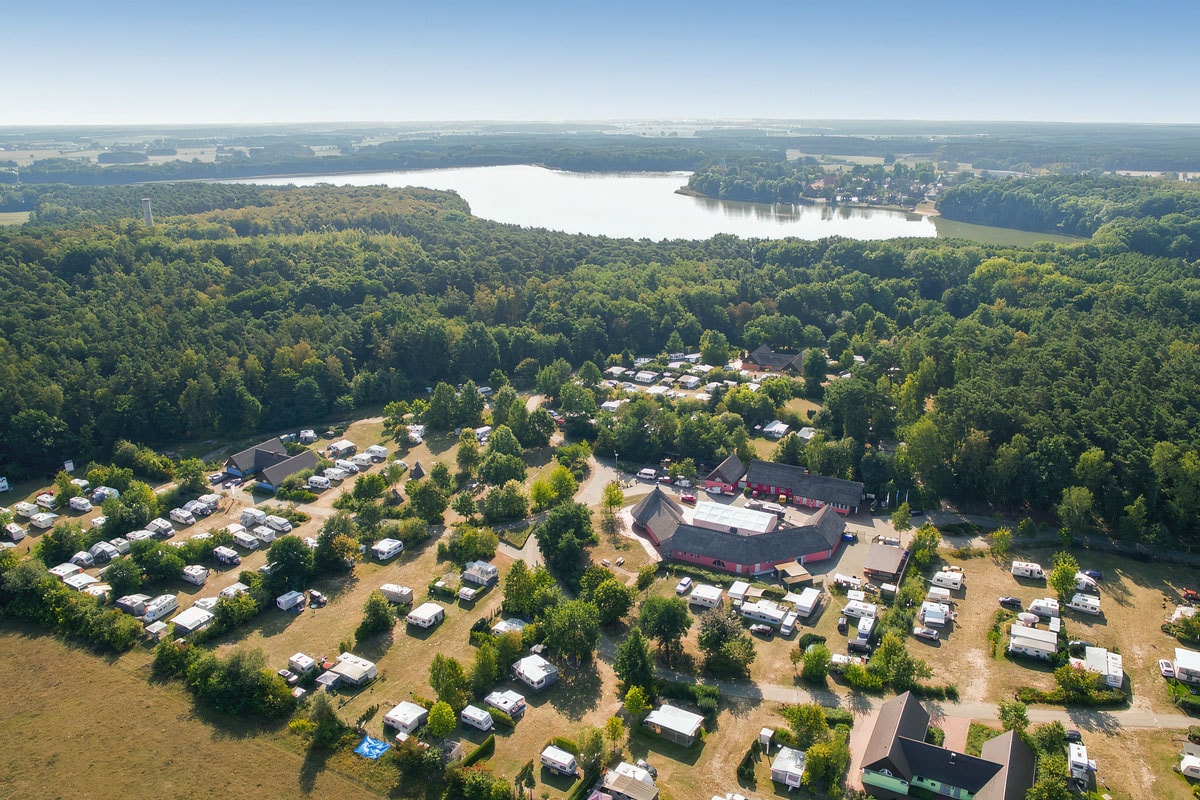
121,543
227,555
161,606
160,528
1028,569
336,475
362,461
264,534
47,501
948,580
277,523
789,624
318,482
1087,603
377,452
253,516
182,516
80,504
1044,607
347,466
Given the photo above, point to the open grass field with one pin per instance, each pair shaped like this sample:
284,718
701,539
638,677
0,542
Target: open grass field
83,726
13,218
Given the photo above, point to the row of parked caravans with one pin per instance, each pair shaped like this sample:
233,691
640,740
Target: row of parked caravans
1049,606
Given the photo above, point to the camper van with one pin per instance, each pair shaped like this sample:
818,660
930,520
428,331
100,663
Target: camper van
948,580
246,540
362,461
559,761
859,609
477,718
347,466
253,516
1086,583
182,516
226,555
14,531
647,474
336,475
160,528
318,482
1087,603
159,607
377,452
80,504
788,626
264,534
1028,569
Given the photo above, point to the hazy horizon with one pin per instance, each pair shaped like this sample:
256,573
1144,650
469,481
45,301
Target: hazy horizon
471,61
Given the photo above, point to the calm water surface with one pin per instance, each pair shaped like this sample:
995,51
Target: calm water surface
628,204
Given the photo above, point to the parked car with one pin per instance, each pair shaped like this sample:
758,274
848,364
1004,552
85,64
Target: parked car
849,537
842,625
620,561
1015,602
604,562
925,633
289,677
683,483
1166,668
687,498
1190,594
1094,574
665,480
765,631
683,586
216,477
1073,736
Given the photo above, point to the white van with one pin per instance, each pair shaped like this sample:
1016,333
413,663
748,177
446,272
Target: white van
789,624
1087,603
1028,569
277,523
195,573
647,474
227,555
318,482
182,516
347,466
948,580
264,534
159,607
336,475
80,504
477,718
560,761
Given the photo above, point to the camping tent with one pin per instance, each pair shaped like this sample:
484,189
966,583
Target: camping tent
372,748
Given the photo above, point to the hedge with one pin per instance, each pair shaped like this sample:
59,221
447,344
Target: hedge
1102,697
581,789
693,692
931,692
839,716
501,718
563,743
485,749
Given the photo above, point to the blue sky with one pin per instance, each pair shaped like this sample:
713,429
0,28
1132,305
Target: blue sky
218,62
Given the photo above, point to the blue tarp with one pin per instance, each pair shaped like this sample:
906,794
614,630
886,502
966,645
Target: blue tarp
372,748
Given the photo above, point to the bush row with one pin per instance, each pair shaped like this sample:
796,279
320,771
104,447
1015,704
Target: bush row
485,749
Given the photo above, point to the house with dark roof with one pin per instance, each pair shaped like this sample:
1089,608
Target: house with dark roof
765,358
270,477
897,760
796,485
255,459
740,552
725,477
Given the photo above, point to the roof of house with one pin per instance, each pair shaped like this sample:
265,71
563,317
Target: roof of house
1017,768
884,558
657,511
823,532
277,473
764,356
675,719
900,717
745,521
817,487
729,470
629,786
260,456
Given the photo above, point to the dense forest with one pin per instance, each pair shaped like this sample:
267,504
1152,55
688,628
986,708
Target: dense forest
243,152
1059,378
1075,204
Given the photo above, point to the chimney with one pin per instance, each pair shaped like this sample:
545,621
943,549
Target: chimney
147,217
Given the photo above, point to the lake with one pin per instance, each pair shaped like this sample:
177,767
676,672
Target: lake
638,205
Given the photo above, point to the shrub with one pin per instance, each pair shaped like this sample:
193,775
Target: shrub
485,749
502,718
646,576
839,716
935,735
563,743
857,677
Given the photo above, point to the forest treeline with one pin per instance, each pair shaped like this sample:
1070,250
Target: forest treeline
1014,377
760,180
1077,205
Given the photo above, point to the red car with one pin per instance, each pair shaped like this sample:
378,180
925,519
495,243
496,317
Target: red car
687,498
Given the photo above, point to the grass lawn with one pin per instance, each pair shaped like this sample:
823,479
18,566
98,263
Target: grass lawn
978,735
13,217
516,536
